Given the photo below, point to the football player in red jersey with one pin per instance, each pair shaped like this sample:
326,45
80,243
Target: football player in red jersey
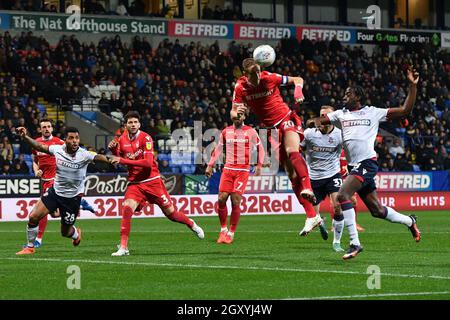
239,141
259,91
44,167
134,148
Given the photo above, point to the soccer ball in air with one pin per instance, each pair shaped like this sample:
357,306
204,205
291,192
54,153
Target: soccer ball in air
264,55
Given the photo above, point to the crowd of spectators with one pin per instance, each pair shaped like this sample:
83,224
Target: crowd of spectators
194,82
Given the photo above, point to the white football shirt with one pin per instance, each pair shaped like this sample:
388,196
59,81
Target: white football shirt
323,152
359,131
70,170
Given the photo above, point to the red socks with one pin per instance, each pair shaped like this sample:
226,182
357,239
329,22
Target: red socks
179,217
42,226
235,215
309,208
223,213
125,226
300,167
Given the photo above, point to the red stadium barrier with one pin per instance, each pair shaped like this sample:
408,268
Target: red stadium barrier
108,207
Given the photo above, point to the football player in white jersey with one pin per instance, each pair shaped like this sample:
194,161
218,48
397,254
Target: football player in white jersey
359,125
323,147
65,195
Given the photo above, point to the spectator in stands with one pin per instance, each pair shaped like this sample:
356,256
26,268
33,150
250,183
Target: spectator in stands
6,149
104,104
162,128
396,148
122,9
19,166
93,7
447,162
163,167
137,8
401,163
6,169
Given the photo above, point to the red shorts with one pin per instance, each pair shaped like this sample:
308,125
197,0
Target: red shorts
233,181
46,185
293,123
154,192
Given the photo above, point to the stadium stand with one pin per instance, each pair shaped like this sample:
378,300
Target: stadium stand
175,84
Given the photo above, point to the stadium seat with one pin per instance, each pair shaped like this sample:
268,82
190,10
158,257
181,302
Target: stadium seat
175,169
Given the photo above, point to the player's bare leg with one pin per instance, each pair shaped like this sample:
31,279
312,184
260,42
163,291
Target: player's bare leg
349,187
236,199
355,203
312,219
291,145
223,214
383,212
180,217
129,206
338,222
39,211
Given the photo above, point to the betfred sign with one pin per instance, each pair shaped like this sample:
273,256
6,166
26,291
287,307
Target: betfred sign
311,33
404,181
193,29
262,32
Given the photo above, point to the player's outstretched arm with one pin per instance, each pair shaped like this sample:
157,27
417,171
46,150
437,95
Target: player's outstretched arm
146,162
33,143
101,158
403,111
298,92
316,122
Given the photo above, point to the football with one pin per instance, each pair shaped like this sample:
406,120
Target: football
264,55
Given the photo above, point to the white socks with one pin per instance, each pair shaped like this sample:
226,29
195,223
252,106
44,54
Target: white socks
338,227
32,235
75,233
224,229
395,217
350,222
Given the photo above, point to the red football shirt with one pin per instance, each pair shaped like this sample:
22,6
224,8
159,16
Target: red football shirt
238,144
47,162
343,162
138,148
265,99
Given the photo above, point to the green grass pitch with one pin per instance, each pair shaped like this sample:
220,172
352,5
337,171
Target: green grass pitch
268,260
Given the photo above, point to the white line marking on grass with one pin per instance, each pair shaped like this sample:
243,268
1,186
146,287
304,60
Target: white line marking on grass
197,266
405,294
242,231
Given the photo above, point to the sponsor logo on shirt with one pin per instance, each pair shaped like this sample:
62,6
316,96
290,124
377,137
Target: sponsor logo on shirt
69,164
356,123
323,149
259,95
237,140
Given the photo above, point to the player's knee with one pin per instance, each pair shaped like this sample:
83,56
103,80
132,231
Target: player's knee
377,212
33,219
223,199
337,209
236,200
342,197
